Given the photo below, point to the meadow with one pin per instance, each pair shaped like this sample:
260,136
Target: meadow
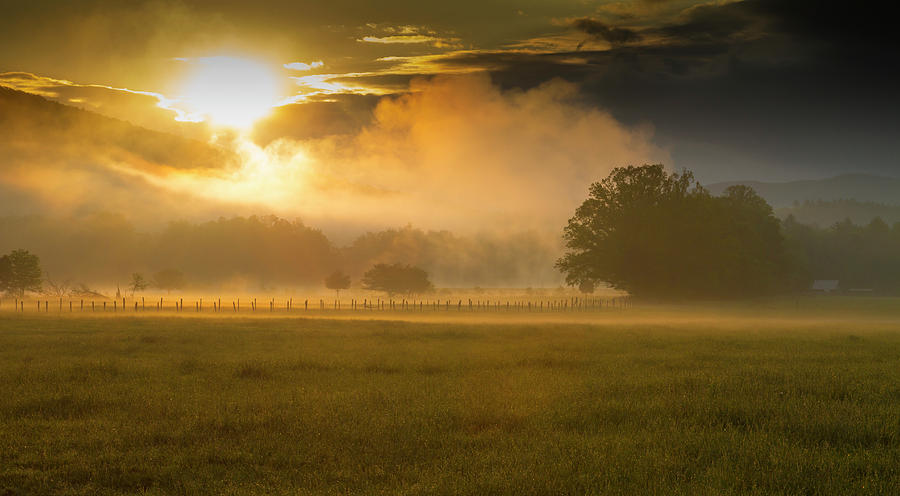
789,397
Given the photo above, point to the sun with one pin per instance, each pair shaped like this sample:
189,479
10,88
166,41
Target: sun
229,91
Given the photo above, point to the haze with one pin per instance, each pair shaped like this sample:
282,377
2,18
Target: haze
477,118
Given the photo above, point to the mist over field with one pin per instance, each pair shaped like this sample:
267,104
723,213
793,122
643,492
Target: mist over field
269,253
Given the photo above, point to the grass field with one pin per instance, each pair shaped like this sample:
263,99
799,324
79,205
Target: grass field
774,400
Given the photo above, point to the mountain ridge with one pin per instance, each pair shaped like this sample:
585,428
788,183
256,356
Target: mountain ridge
32,119
851,186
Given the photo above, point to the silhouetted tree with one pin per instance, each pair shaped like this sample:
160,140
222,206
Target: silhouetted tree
656,234
396,278
6,272
138,283
20,271
169,279
82,290
54,288
337,281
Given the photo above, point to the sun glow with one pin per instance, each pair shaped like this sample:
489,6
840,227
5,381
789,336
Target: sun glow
230,91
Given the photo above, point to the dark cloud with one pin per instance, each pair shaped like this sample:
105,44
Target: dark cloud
775,89
341,115
713,23
600,31
838,23
386,81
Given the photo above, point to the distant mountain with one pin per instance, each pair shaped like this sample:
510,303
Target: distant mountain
861,187
59,158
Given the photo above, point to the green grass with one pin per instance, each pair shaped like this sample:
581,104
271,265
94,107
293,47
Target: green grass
631,404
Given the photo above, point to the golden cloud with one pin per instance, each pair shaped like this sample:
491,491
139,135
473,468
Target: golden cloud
303,66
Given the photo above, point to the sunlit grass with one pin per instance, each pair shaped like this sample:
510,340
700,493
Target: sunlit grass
602,405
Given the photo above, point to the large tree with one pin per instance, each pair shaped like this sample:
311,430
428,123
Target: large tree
397,278
657,234
20,271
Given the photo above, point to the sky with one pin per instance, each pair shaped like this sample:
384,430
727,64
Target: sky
490,109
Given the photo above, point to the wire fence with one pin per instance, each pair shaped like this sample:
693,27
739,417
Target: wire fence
290,305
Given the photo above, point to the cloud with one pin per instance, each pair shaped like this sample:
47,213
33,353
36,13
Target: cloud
405,38
598,30
342,114
411,39
459,152
331,84
302,66
409,35
715,23
868,26
756,74
456,152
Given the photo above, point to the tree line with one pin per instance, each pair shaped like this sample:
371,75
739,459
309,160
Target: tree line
826,213
20,272
642,230
858,256
266,252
